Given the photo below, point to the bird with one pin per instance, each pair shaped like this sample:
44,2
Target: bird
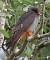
24,27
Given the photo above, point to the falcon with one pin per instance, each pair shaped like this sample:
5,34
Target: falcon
25,25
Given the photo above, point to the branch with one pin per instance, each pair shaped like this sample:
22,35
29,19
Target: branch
19,52
39,47
41,36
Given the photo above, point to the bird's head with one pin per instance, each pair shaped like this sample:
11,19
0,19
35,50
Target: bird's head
36,10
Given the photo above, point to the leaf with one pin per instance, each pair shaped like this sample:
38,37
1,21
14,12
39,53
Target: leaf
48,6
5,33
1,4
28,52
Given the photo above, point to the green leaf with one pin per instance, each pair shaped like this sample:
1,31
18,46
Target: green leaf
28,52
1,4
48,6
5,33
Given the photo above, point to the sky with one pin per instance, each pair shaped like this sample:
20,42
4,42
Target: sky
48,0
2,54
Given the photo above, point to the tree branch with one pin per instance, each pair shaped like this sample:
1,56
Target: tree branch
38,47
19,52
42,36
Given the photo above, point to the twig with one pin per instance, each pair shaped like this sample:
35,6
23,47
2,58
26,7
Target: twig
42,36
39,47
19,52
